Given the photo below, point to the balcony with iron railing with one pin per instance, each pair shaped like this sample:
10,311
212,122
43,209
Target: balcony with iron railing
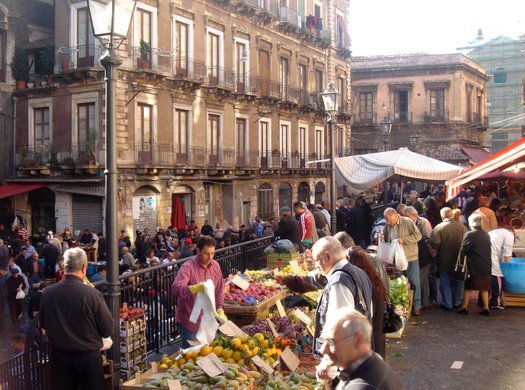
436,117
268,10
289,20
365,118
220,77
78,57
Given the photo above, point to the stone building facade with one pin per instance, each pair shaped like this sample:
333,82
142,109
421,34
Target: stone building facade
435,103
218,111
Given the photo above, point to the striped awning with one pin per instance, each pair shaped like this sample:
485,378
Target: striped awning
505,158
365,171
93,190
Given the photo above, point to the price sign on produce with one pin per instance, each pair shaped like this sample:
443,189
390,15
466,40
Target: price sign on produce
272,328
280,308
296,269
262,365
302,317
289,358
174,385
240,282
211,365
231,330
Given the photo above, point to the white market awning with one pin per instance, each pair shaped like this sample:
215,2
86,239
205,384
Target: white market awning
365,171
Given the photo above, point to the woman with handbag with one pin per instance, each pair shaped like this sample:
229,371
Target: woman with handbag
476,247
359,258
15,294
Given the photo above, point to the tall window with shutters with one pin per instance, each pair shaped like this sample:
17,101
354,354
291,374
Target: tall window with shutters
264,142
42,135
212,138
87,132
240,126
144,133
85,39
181,136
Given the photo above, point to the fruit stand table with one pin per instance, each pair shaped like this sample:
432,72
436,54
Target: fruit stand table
242,314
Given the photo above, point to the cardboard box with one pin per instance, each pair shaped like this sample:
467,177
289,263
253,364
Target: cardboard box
280,260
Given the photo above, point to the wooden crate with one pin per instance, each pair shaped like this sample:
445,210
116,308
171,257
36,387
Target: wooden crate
513,299
248,314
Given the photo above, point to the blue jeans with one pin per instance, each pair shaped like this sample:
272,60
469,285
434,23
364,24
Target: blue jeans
451,290
413,277
185,335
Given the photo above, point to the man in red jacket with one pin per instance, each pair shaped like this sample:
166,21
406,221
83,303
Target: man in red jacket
305,224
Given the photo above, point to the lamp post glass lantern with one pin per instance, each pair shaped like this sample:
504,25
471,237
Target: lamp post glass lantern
329,96
110,20
386,128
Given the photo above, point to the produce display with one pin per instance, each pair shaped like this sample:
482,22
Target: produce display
255,293
398,295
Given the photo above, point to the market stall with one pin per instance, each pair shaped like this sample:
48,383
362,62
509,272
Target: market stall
266,342
361,172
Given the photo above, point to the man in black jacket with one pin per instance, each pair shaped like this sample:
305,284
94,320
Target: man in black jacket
288,228
345,340
75,318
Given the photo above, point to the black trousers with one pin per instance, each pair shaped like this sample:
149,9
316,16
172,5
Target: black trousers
72,370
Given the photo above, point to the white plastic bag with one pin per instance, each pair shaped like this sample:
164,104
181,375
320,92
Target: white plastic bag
401,263
385,251
205,302
20,294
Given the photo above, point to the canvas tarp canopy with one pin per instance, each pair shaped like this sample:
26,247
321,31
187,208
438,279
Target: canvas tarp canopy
362,172
505,158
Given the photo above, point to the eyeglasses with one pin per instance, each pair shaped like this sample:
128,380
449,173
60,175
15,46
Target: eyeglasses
331,342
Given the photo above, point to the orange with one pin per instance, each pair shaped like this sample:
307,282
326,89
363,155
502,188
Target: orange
227,353
218,350
206,350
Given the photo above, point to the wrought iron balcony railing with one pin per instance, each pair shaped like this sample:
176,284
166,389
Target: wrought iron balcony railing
78,57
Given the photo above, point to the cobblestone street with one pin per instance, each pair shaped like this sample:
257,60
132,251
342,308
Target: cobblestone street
491,349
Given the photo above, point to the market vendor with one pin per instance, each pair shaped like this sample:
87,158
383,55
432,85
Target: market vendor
190,281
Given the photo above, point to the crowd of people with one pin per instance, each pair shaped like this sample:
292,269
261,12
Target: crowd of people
433,233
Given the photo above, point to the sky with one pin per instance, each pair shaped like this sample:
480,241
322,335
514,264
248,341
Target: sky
424,26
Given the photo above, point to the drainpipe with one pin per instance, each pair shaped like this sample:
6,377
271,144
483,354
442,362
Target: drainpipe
13,168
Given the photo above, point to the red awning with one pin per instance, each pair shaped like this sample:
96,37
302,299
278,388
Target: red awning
505,158
15,189
476,153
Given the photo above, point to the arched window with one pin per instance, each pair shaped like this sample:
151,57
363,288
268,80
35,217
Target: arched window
265,202
285,195
319,192
304,192
500,76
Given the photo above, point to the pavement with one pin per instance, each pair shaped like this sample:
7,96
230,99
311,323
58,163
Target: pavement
490,349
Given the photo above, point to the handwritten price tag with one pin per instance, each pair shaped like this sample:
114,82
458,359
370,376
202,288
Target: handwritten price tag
211,365
302,317
240,282
289,358
296,269
262,365
280,308
272,328
231,330
174,385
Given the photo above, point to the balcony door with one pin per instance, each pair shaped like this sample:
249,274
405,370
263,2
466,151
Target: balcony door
240,125
85,39
181,135
87,133
145,133
264,72
264,143
182,45
212,141
42,135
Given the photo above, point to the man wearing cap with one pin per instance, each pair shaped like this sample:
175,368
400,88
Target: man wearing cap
190,281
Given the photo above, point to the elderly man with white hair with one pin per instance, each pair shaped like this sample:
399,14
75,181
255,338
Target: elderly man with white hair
346,342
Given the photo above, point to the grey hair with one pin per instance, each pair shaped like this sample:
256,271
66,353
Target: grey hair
74,260
410,211
350,321
445,212
345,239
414,192
285,211
329,244
389,212
474,221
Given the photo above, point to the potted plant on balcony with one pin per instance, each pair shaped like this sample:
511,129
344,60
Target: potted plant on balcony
47,62
144,59
20,68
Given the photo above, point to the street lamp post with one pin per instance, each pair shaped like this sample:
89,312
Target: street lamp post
110,20
386,128
329,96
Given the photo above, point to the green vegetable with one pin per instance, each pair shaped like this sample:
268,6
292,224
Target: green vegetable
398,292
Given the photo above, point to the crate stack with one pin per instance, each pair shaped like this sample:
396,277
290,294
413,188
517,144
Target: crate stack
132,342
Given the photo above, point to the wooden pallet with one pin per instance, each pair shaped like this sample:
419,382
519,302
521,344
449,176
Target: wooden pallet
513,299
